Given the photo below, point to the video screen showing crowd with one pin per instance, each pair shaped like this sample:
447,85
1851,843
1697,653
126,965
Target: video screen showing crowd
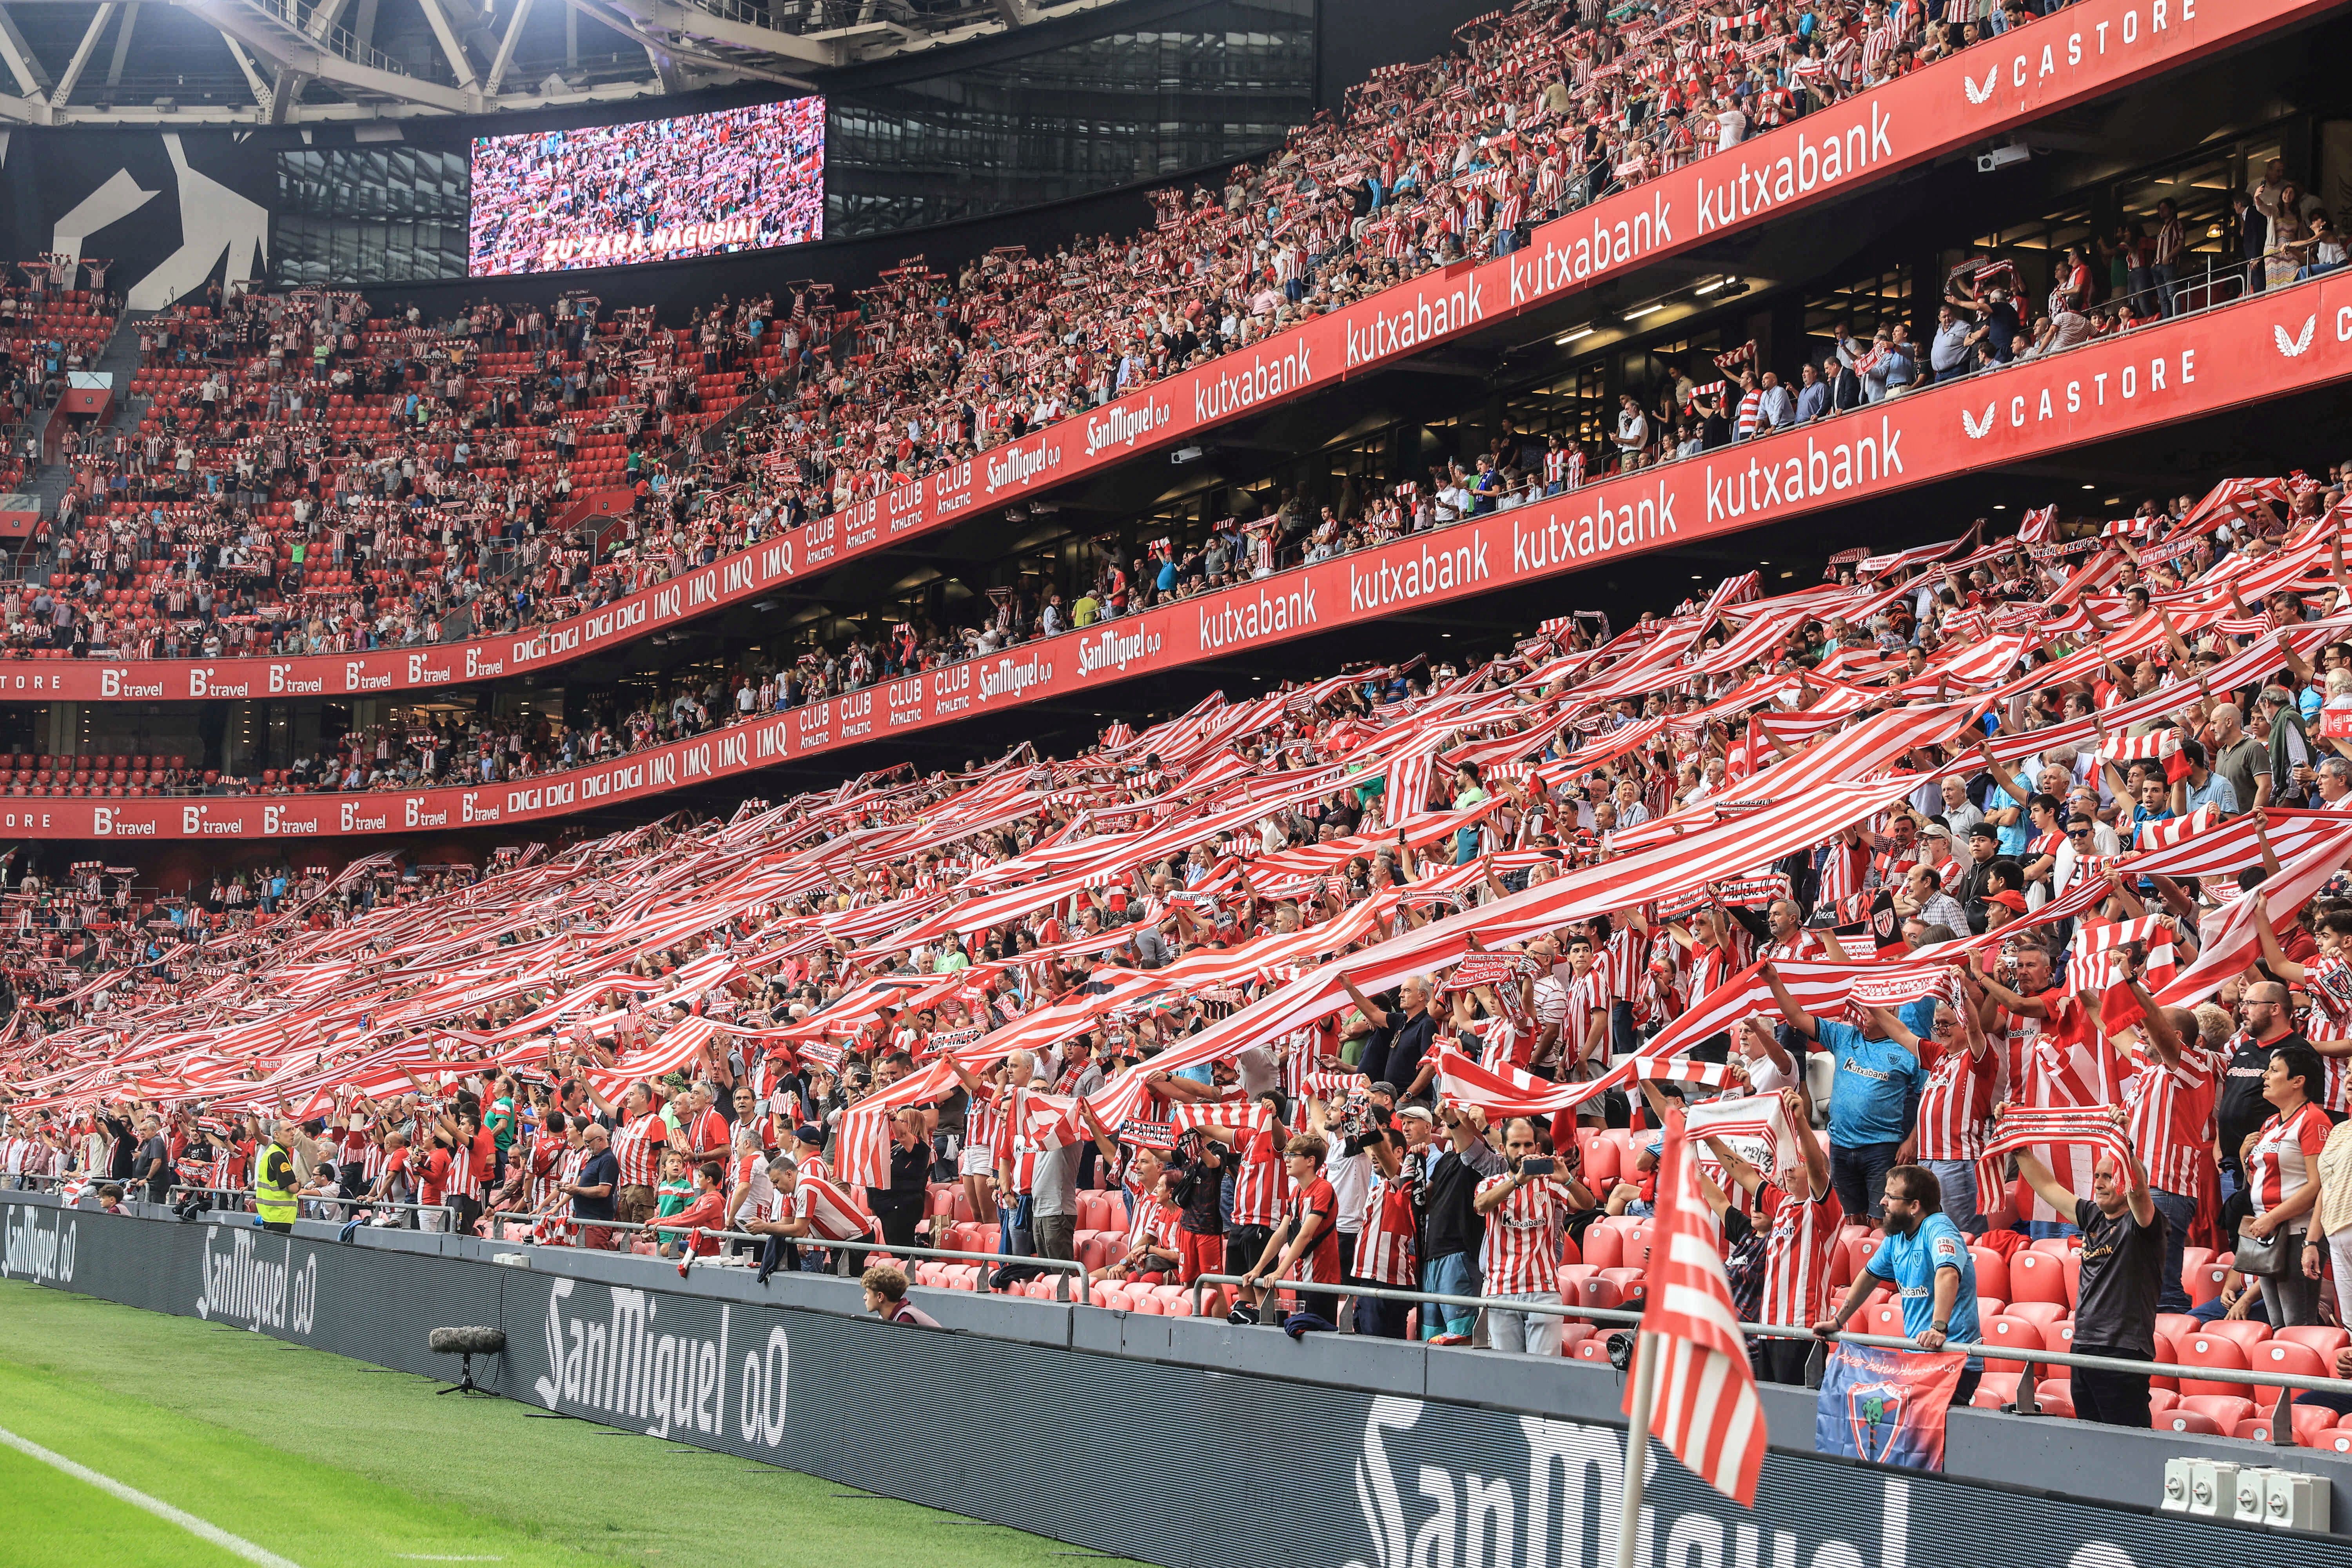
648,189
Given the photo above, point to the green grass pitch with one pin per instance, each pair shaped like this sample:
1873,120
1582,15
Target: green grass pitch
326,1462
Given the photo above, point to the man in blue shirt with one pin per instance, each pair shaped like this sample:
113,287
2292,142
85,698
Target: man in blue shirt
1873,1100
1926,1259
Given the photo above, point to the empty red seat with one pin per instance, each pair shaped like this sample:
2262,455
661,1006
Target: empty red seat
1596,1292
1995,1391
2327,1341
2225,1410
1603,1247
2216,1353
2042,1315
2306,1425
2246,1331
1630,1286
2288,1357
2036,1277
2012,1333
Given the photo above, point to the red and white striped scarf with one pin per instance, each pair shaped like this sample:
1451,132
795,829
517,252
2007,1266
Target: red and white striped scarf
2027,1126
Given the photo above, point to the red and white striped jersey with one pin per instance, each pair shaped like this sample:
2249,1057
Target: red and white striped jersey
707,1131
1262,1190
1385,1243
1316,1206
1805,947
2328,984
2286,1155
983,1124
1619,965
1956,1104
1520,1255
1150,1220
639,1147
832,1213
1588,993
1844,878
2170,1119
1797,1254
548,1155
466,1169
1710,966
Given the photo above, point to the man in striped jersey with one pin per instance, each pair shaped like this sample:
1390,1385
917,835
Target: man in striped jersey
813,1209
1525,1208
1261,1186
1384,1241
638,1136
1797,1251
1963,1079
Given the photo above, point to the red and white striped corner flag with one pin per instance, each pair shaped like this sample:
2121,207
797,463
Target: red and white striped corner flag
1703,1405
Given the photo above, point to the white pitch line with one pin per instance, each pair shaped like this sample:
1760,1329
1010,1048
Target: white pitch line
156,1506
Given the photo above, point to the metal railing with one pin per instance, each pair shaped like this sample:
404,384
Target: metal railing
449,1212
2026,1403
1066,1270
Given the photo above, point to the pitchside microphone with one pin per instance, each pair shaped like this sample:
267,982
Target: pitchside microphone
468,1342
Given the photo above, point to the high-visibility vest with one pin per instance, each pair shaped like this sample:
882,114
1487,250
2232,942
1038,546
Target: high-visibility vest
274,1202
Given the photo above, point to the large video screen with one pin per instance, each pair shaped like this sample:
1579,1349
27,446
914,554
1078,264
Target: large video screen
653,190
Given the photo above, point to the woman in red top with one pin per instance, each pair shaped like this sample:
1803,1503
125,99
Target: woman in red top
2281,1163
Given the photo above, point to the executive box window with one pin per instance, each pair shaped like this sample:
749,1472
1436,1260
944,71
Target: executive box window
369,215
1115,110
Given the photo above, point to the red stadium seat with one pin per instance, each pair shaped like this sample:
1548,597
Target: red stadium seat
2216,1353
1995,1391
2204,1281
2042,1315
1605,1247
2288,1357
2012,1333
2325,1339
2037,1277
2225,1411
2306,1425
2246,1331
1630,1287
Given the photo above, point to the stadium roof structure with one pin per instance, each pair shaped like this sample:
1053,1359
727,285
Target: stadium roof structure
276,62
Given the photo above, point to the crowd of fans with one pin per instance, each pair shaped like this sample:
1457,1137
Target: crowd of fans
2042,824
310,478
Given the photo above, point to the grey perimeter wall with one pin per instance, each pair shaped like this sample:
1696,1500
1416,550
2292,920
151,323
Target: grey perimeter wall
1175,1440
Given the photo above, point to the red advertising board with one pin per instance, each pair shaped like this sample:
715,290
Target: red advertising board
2290,340
2089,48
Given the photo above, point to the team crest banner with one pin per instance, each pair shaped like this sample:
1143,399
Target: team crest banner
1886,1407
